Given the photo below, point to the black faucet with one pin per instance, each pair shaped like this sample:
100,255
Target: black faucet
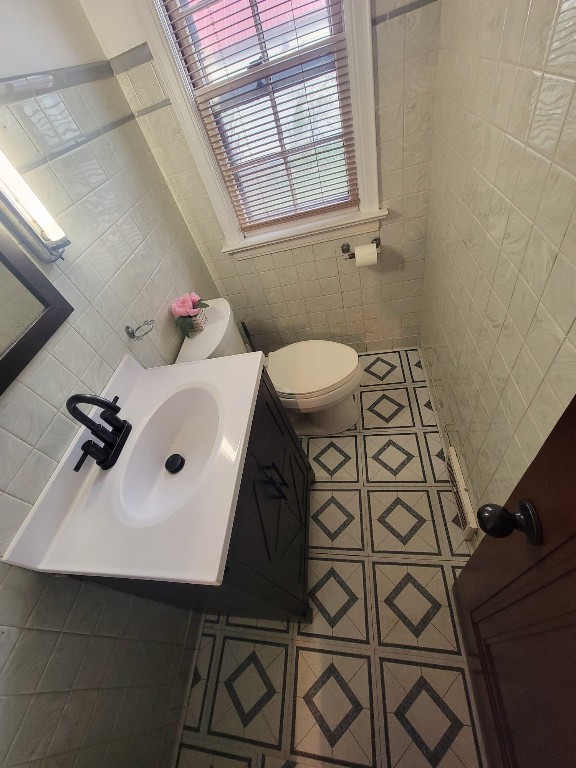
113,439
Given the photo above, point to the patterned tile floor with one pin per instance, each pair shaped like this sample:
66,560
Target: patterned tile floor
377,678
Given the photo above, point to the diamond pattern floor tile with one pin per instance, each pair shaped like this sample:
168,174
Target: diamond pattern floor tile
383,368
336,520
197,699
377,678
437,457
337,590
249,699
426,414
428,716
334,459
452,525
333,710
386,408
402,522
415,365
393,458
413,608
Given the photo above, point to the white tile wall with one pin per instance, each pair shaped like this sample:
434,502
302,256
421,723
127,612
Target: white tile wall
89,676
131,253
500,284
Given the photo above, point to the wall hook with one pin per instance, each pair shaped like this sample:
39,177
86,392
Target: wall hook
133,334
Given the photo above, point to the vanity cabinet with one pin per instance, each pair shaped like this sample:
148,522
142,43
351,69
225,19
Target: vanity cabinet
266,570
270,528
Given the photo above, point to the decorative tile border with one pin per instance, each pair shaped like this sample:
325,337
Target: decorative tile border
13,90
400,11
134,57
76,144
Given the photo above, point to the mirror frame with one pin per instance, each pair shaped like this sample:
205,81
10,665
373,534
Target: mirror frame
16,357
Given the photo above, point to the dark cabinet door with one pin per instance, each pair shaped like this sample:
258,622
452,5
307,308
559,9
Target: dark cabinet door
270,527
268,535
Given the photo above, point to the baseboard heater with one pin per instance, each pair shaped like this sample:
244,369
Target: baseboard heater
465,510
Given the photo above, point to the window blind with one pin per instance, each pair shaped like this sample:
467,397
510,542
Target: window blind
270,79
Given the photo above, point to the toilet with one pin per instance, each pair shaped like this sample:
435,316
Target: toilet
315,380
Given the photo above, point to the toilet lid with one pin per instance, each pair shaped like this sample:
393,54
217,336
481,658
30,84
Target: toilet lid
207,343
311,367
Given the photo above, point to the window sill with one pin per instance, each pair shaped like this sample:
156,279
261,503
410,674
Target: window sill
305,233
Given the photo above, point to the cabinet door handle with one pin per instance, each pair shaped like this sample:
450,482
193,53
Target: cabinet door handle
279,491
274,467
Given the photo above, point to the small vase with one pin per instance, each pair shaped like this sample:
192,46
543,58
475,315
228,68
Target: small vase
199,321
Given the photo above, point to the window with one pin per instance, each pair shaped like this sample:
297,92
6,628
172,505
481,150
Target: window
271,81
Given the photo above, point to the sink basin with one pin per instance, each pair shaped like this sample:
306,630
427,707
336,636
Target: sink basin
136,520
187,423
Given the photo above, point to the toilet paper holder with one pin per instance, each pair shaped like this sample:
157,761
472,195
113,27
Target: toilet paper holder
345,248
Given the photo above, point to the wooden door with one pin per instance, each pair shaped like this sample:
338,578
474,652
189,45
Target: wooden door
517,606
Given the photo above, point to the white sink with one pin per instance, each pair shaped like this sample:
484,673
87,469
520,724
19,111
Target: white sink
137,520
188,423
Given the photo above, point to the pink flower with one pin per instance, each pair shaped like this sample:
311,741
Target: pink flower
184,305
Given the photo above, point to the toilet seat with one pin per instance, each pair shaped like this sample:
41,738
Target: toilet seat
310,369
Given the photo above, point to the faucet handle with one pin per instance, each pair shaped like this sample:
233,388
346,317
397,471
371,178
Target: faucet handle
110,418
90,448
114,407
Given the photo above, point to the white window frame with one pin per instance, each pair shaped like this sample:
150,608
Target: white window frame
177,84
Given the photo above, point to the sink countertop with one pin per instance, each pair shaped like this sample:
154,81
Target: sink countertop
107,523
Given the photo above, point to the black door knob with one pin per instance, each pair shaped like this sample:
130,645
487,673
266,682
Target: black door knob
498,522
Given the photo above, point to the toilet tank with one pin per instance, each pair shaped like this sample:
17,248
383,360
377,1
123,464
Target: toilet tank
219,338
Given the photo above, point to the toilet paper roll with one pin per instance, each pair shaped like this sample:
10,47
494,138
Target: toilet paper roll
366,255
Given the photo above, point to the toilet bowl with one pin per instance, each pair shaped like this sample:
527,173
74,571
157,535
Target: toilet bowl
315,380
